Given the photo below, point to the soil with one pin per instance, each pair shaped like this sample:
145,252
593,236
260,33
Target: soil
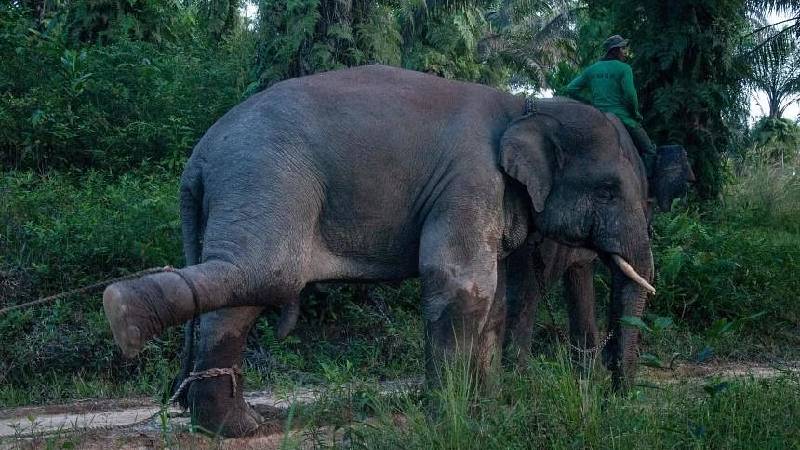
136,423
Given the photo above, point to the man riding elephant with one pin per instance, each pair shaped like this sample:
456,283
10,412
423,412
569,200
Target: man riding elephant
610,84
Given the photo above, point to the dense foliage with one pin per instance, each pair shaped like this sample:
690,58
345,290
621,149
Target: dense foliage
689,85
482,41
113,106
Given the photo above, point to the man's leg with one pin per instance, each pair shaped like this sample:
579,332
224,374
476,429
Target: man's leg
645,146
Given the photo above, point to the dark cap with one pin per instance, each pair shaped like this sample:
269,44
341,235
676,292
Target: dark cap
614,42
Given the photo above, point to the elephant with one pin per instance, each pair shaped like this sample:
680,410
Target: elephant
379,173
549,261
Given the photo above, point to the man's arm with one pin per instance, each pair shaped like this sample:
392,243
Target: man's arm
629,91
575,88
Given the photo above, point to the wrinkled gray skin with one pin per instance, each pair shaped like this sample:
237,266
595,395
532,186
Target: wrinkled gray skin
550,261
378,173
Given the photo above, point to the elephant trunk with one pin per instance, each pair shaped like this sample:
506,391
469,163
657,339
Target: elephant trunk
630,285
142,308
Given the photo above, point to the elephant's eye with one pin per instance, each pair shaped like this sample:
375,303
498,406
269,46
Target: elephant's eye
605,192
604,195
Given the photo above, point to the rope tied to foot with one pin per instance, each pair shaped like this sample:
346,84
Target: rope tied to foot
87,289
204,374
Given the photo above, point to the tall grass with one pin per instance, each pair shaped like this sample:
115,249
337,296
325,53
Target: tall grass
727,271
547,405
763,195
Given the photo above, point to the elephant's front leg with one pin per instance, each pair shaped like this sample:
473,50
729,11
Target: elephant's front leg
216,402
464,313
580,298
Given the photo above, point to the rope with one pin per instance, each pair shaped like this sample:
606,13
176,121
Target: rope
208,373
84,290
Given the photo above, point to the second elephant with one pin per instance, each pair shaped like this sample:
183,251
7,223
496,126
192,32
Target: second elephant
549,261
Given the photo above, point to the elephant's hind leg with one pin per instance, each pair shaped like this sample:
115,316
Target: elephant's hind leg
216,403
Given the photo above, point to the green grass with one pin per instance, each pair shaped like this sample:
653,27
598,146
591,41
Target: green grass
549,404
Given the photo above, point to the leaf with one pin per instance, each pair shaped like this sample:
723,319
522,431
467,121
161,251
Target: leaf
755,316
651,360
635,322
37,117
721,327
712,389
704,354
662,323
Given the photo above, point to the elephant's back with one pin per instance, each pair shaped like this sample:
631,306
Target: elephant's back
360,153
374,109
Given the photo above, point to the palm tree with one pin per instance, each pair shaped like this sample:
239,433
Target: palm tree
533,35
775,70
772,54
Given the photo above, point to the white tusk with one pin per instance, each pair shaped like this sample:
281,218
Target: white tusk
628,270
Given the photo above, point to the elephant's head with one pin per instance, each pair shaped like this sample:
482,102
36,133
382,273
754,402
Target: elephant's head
671,176
588,188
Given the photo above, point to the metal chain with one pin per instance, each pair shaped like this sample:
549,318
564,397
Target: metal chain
530,105
203,374
563,336
87,289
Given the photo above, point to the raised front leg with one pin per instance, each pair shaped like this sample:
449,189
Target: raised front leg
216,403
580,298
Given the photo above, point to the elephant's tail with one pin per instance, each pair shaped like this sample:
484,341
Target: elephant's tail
192,224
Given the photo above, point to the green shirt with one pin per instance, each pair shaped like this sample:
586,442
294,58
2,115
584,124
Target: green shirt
610,83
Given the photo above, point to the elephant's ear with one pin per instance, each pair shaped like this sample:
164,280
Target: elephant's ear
525,155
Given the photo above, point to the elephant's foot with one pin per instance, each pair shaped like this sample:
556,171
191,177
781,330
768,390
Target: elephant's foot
140,309
219,409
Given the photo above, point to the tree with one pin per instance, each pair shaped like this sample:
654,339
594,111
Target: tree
775,68
483,41
775,141
300,37
103,21
532,37
219,17
690,87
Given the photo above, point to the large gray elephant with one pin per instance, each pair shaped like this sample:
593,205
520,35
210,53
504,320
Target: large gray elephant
549,261
378,173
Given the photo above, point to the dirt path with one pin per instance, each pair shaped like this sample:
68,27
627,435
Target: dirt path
138,423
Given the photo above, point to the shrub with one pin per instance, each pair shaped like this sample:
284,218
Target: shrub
775,141
114,106
736,260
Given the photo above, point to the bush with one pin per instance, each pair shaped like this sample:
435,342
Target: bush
732,267
114,106
63,231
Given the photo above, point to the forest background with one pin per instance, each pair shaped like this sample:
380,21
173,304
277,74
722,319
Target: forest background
101,102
